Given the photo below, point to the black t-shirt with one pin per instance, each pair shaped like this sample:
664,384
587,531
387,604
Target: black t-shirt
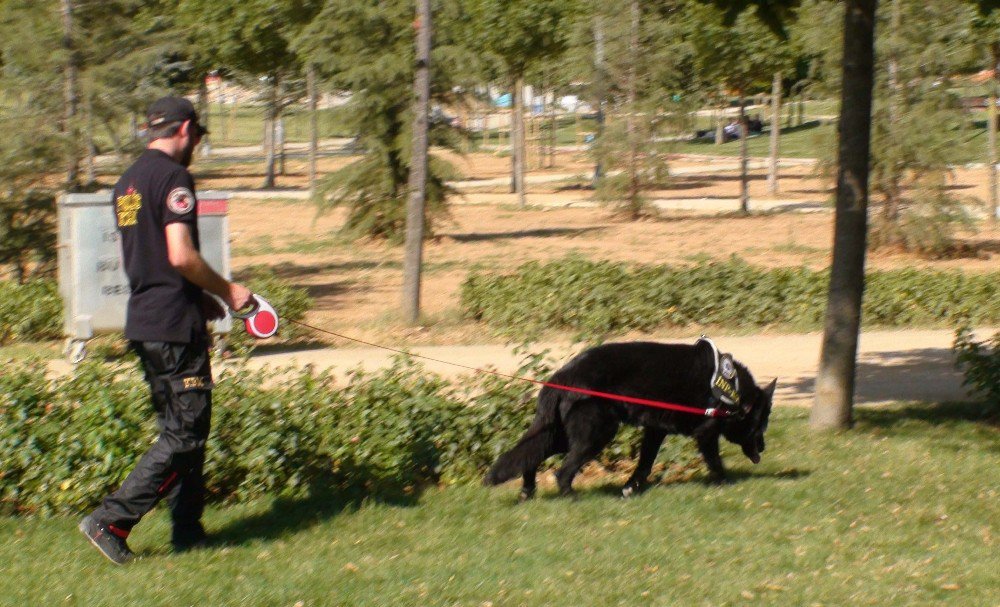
164,306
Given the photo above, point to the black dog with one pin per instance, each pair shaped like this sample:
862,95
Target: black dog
581,425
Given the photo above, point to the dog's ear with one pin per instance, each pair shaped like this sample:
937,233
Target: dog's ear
769,390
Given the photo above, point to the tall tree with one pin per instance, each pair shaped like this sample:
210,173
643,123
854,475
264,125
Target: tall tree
986,33
518,34
743,55
924,44
366,48
646,63
773,160
32,147
256,41
71,92
418,165
833,408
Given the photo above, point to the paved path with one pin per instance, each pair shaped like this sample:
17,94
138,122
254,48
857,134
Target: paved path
893,365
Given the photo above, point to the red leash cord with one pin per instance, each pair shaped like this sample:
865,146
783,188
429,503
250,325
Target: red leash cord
710,412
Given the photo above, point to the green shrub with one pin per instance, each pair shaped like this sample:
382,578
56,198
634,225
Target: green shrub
980,362
30,311
63,443
596,298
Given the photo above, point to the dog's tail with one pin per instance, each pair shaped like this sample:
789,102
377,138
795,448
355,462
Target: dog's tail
539,442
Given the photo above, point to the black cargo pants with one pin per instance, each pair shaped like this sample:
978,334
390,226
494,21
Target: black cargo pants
180,382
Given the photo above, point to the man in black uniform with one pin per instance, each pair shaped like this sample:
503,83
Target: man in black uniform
156,213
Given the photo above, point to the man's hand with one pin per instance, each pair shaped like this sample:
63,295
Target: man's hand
238,296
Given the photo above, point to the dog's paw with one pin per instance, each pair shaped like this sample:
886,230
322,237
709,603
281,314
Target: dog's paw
524,496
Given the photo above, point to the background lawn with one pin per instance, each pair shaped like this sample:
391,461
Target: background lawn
903,510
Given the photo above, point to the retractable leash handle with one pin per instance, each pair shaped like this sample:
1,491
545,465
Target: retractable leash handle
259,317
246,311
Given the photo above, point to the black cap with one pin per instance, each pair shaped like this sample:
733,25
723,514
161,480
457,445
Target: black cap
172,109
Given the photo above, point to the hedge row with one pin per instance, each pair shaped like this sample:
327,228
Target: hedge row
32,311
65,443
595,298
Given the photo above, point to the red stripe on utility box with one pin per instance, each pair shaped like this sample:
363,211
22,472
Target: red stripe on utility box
209,206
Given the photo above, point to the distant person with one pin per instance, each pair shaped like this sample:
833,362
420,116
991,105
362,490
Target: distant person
731,131
755,125
156,213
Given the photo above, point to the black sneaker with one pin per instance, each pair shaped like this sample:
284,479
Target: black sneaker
109,540
189,537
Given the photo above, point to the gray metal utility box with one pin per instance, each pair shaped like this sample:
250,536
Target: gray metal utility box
92,281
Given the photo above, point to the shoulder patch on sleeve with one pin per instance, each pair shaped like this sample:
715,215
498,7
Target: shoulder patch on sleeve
180,201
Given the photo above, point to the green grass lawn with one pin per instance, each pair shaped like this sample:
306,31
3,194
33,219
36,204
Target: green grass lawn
902,510
244,125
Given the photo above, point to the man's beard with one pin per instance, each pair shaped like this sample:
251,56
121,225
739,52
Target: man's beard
188,152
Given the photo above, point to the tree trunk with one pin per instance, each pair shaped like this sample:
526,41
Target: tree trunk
720,134
418,168
630,127
272,119
279,114
744,160
90,153
991,128
833,408
313,127
518,146
599,93
543,142
772,173
203,116
70,95
893,191
553,133
280,135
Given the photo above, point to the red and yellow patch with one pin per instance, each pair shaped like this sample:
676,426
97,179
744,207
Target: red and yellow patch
127,208
180,201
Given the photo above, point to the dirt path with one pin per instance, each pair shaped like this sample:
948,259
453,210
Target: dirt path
893,365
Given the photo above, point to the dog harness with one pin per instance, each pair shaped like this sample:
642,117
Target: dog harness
724,383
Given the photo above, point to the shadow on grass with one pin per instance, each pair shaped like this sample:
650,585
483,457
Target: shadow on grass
324,500
614,488
937,414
